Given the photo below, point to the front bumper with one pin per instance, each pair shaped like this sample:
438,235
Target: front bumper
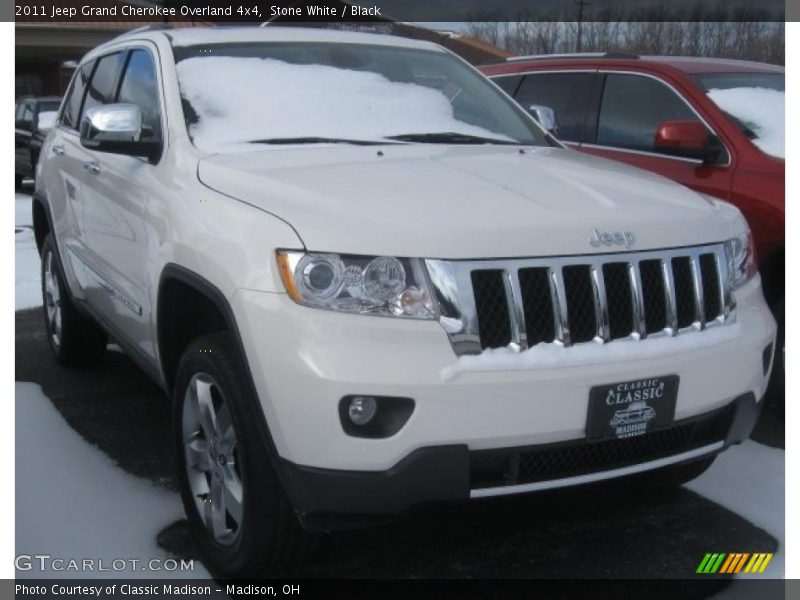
303,361
454,473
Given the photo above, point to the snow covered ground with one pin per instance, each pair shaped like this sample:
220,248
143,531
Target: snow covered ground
758,496
73,502
26,277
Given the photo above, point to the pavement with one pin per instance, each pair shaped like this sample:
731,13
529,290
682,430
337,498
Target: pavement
607,531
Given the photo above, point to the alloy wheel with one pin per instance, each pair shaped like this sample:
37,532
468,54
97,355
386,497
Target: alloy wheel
52,299
212,463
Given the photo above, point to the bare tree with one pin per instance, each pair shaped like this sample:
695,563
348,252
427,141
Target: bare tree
660,29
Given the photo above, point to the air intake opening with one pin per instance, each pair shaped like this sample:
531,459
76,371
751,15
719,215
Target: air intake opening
491,304
537,301
619,299
684,290
712,294
580,303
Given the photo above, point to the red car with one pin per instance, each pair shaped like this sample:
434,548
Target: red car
714,125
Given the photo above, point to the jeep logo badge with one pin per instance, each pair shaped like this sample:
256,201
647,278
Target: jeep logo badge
611,238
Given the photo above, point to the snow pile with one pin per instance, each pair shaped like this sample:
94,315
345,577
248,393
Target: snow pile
546,355
27,289
72,502
243,99
749,480
761,110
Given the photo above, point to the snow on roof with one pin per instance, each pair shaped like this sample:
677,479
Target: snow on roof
702,64
761,110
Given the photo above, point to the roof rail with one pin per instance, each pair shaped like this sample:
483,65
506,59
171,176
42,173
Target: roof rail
167,26
575,55
151,27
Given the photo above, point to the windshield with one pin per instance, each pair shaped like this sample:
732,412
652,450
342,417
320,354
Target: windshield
755,102
235,95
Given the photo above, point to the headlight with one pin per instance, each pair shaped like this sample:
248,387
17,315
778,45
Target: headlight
742,263
373,285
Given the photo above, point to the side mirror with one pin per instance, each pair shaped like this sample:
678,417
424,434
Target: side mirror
686,138
546,117
116,128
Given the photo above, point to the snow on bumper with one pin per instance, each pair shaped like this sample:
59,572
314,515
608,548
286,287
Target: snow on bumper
303,361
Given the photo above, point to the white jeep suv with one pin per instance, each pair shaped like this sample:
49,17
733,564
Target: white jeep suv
369,281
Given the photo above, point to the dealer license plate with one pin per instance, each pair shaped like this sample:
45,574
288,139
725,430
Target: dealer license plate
631,408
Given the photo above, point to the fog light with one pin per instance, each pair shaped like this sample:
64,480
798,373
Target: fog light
362,409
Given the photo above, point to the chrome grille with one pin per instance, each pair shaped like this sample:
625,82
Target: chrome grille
573,300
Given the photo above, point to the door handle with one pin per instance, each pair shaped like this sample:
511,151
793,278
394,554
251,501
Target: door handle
92,166
58,150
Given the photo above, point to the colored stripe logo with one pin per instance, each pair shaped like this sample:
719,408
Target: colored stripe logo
734,562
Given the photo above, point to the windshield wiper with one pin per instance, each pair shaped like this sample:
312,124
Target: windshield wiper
316,140
449,137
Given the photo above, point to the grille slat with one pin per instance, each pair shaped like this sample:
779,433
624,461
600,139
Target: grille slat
596,298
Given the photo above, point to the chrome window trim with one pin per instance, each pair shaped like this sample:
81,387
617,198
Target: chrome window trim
683,99
695,161
543,72
599,476
124,46
452,286
605,71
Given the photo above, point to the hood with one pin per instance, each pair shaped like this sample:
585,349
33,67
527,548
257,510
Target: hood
464,201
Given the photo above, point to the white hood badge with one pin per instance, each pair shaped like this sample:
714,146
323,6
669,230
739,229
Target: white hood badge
611,238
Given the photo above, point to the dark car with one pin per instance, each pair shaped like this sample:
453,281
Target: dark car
699,121
32,120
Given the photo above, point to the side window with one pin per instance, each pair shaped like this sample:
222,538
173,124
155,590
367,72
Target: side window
139,86
72,104
26,120
633,107
566,93
103,85
508,83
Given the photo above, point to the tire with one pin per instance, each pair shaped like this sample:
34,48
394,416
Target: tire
776,390
242,520
74,338
34,160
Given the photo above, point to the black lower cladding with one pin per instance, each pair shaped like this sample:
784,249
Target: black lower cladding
492,468
448,473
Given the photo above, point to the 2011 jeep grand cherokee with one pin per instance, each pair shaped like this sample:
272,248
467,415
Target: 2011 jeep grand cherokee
368,281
